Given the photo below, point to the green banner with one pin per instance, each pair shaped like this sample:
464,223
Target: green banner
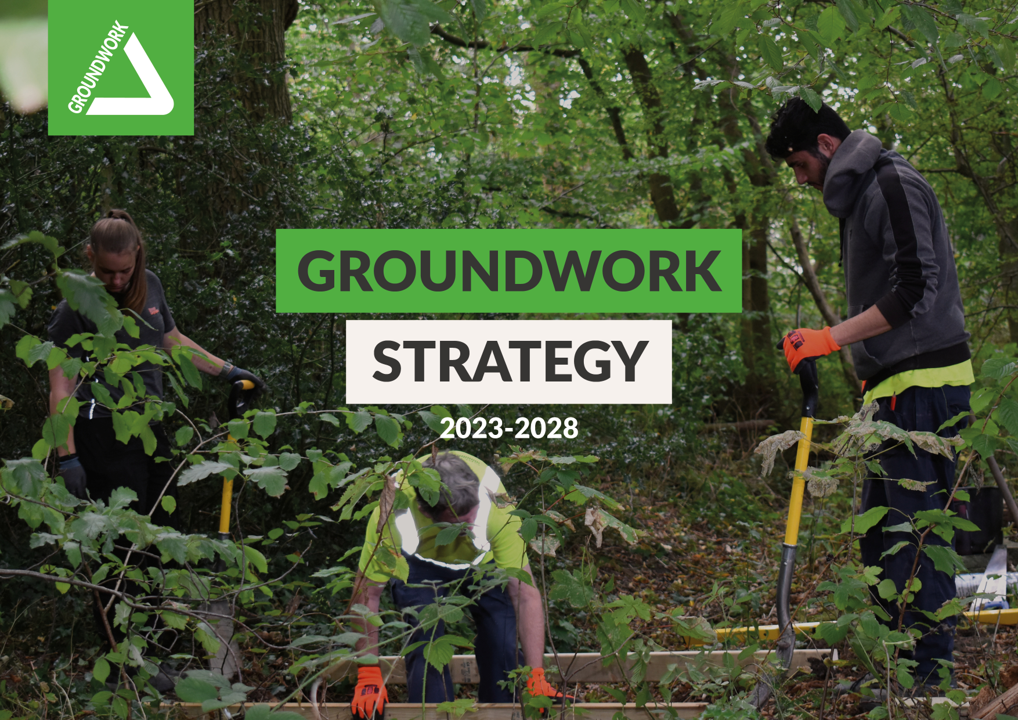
121,67
532,271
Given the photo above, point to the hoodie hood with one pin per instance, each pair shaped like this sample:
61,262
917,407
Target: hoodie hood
846,175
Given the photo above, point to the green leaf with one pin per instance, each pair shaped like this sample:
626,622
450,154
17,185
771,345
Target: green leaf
263,712
432,420
55,430
389,430
271,479
169,503
1007,415
571,588
87,295
25,346
889,17
238,428
121,497
256,558
771,53
184,435
173,545
22,291
439,652
1006,50
528,530
193,690
851,12
723,24
582,493
974,24
39,351
201,471
408,19
923,21
265,423
635,11
981,442
101,671
992,88
448,535
7,306
358,421
480,8
944,559
831,25
288,461
811,98
997,368
864,522
886,589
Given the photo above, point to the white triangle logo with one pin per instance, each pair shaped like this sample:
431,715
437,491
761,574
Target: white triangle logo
159,101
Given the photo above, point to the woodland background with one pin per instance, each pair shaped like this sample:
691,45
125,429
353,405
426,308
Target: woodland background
634,114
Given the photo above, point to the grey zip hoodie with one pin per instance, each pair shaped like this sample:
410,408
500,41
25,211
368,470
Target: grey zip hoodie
897,256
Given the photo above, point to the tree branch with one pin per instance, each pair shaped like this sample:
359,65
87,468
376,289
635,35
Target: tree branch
437,29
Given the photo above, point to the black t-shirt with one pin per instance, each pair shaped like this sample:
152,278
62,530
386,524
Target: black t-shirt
155,322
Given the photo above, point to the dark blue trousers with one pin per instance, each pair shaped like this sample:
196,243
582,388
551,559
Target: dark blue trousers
495,646
923,409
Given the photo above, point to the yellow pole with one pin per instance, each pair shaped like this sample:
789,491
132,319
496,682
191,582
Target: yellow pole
224,512
798,482
224,515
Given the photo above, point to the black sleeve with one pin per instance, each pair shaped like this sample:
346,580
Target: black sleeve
910,229
63,324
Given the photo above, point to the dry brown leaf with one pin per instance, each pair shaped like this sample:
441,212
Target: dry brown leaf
546,545
592,519
770,447
981,700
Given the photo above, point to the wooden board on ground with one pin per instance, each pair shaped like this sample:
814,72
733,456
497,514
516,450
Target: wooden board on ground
1005,703
587,667
484,711
493,711
771,632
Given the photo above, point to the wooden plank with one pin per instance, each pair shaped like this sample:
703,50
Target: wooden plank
484,711
1003,703
771,632
586,667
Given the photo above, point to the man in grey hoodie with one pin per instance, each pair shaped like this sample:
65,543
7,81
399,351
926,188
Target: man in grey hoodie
906,326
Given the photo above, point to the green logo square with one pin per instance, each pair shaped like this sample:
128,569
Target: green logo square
121,67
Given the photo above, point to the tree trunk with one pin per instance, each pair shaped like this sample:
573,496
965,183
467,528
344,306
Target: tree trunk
258,28
662,194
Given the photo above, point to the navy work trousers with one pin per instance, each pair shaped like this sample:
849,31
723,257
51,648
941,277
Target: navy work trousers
916,409
496,644
110,464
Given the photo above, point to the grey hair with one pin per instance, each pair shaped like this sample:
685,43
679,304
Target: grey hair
459,493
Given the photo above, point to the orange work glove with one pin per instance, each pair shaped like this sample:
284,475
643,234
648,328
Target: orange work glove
805,343
537,684
370,696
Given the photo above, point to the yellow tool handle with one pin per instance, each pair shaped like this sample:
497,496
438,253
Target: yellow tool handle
798,482
224,515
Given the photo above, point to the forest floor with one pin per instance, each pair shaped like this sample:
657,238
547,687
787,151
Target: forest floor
713,552
725,570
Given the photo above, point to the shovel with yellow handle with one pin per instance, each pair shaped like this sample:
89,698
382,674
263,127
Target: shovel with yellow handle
809,381
220,622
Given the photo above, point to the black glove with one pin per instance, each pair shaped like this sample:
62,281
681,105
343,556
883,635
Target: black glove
233,373
73,474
